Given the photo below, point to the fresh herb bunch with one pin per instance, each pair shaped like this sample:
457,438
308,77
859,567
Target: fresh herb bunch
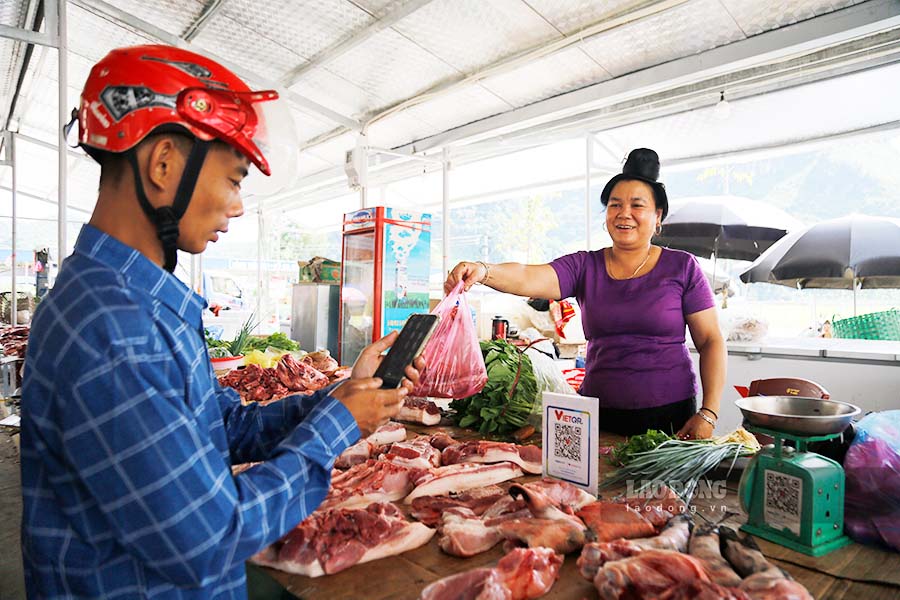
212,342
276,340
623,452
242,342
676,463
509,395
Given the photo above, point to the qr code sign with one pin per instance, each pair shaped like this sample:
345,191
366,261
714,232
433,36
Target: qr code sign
783,493
568,441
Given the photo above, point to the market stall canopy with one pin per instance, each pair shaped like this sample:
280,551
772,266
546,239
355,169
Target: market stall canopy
724,226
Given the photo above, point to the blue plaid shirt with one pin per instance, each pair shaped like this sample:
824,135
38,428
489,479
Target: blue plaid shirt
128,439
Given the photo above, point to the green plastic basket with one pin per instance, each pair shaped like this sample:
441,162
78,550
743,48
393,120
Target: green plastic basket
873,326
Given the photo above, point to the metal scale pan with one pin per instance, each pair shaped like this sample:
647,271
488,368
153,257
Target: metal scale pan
796,415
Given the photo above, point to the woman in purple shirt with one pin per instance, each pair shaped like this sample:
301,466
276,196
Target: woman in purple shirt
636,300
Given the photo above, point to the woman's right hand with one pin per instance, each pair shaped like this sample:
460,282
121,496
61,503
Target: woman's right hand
469,273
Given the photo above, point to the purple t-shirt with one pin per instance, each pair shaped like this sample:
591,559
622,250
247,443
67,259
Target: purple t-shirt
636,356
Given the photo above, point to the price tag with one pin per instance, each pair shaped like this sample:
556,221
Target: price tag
571,439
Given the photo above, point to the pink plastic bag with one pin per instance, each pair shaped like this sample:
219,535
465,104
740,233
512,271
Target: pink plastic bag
454,365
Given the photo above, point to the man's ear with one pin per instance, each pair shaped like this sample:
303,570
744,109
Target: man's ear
165,163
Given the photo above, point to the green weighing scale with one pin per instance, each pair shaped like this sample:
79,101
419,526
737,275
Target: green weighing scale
794,497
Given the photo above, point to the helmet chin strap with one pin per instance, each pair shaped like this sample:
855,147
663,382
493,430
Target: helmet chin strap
166,218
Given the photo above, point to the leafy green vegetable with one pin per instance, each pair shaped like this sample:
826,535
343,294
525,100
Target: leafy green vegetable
623,452
214,343
276,340
508,397
219,352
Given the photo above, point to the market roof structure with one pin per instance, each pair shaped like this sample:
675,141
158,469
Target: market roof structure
480,76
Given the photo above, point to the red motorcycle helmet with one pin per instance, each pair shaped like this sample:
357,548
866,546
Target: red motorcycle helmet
133,92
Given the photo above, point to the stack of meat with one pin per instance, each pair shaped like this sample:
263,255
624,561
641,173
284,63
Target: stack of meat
264,385
14,340
358,521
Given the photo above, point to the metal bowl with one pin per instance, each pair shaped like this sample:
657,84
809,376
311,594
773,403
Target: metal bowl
797,415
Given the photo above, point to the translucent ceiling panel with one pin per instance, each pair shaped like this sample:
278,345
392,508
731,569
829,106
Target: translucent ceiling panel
687,29
468,34
762,15
172,16
570,16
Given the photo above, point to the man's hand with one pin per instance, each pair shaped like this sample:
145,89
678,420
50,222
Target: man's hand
371,357
370,405
361,394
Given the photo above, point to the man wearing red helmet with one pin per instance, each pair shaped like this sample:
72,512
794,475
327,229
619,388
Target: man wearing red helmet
127,437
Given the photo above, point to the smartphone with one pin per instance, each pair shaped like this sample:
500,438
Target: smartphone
408,345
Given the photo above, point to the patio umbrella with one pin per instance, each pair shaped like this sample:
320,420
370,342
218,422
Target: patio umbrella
724,227
851,252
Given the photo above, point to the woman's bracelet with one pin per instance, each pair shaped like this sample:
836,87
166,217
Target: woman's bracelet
487,272
707,419
710,411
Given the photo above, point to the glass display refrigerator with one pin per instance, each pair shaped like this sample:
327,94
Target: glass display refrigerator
386,257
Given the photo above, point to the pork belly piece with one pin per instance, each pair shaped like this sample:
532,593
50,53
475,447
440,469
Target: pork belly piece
562,493
321,361
368,482
428,509
675,537
481,451
762,579
522,574
419,410
358,453
464,534
613,520
330,541
461,477
704,545
417,453
388,433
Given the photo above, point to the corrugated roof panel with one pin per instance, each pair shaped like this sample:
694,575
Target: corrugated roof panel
470,33
173,16
570,16
322,86
12,12
308,126
310,163
453,109
305,26
391,67
93,37
236,41
688,29
398,129
333,151
763,15
558,73
9,51
379,8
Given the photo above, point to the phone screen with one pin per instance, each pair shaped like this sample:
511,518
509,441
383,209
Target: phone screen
406,348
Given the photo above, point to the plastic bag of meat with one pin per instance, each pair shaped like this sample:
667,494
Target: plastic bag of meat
872,467
454,365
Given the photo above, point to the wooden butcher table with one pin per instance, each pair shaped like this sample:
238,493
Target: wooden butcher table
849,573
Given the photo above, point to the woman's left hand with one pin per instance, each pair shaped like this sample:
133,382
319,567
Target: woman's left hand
696,428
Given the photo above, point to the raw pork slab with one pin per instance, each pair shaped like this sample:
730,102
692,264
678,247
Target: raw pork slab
330,541
417,453
458,478
388,433
520,575
419,410
428,509
481,451
367,448
371,481
613,520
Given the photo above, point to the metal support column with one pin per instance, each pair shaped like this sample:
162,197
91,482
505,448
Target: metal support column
589,160
445,212
11,157
63,63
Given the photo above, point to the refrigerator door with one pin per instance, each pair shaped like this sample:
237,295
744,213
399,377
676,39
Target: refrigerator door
314,316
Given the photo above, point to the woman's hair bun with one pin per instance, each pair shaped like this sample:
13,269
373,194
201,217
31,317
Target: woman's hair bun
643,163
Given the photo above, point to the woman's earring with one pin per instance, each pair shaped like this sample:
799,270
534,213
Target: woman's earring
658,229
604,226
